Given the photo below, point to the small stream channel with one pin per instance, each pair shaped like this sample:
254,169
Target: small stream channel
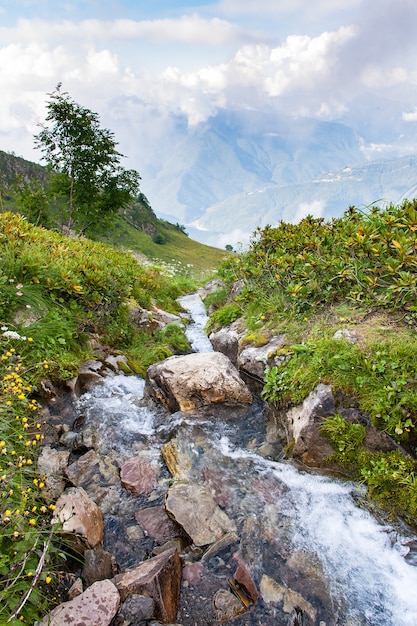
307,532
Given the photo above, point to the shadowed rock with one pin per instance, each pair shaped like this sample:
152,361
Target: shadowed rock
196,511
79,514
159,578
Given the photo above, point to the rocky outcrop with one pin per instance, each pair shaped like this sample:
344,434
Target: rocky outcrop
253,360
194,380
226,340
250,359
159,578
152,320
301,427
52,464
97,606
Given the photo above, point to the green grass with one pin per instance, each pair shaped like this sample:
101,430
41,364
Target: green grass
180,254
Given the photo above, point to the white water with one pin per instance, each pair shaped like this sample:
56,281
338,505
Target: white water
363,559
195,329
371,583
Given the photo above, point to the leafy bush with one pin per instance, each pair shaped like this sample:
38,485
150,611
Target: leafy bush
26,534
364,257
310,279
224,316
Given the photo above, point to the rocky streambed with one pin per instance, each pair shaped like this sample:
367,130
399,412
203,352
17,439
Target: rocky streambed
186,512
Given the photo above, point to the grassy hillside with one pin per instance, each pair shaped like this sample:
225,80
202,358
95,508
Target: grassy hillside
178,252
137,229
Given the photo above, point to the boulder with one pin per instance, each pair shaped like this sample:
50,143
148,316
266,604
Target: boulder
157,525
226,341
274,593
194,508
153,320
138,476
137,609
97,606
194,380
98,565
92,468
216,284
303,426
158,578
79,514
89,374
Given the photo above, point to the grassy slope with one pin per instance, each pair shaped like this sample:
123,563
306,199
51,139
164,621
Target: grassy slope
133,230
186,255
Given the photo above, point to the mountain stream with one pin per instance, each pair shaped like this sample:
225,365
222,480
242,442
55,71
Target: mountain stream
306,538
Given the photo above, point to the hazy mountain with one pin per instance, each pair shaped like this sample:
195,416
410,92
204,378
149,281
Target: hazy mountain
240,152
239,170
380,182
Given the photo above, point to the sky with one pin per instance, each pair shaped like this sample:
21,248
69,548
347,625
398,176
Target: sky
138,63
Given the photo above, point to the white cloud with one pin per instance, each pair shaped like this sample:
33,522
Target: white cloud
188,29
410,116
315,208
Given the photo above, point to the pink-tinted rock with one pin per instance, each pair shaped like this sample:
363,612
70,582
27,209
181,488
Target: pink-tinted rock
97,606
79,514
192,573
156,523
194,508
138,476
159,578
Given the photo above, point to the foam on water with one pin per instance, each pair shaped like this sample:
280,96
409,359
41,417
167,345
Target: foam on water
195,330
115,410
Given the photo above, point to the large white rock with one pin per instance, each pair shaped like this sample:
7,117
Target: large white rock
194,380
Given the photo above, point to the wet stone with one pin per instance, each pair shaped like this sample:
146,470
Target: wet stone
159,578
98,565
157,525
196,511
137,608
138,476
227,606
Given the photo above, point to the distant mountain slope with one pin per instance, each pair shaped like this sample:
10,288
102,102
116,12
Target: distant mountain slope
239,170
240,152
328,196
